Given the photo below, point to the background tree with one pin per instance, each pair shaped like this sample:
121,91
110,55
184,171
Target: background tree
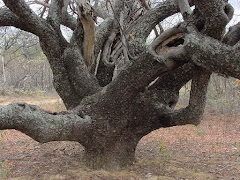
116,88
25,66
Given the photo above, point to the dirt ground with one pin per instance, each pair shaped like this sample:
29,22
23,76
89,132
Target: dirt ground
209,151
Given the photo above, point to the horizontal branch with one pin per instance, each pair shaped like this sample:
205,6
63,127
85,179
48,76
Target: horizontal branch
37,25
8,18
213,55
44,126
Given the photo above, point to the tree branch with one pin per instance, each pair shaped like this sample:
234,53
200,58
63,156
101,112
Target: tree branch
44,8
216,16
147,7
184,8
193,113
176,78
42,125
66,19
159,114
101,13
84,83
24,12
137,75
103,31
69,21
233,36
213,55
55,13
10,19
152,17
45,4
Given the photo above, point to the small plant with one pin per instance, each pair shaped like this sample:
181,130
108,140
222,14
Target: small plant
2,134
27,144
32,170
236,148
161,165
162,148
3,172
200,132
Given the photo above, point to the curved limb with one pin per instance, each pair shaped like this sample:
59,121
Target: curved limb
8,18
66,19
24,12
213,55
44,126
152,17
217,13
233,36
193,113
155,113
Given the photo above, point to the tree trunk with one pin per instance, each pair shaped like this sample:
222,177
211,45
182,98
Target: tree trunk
113,156
109,115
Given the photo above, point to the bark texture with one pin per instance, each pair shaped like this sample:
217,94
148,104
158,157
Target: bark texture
116,88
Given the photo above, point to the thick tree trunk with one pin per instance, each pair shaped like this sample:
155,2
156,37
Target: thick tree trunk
114,156
109,115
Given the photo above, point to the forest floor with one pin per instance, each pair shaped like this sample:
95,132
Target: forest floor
208,151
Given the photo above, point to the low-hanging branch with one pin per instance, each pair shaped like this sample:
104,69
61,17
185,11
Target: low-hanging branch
44,126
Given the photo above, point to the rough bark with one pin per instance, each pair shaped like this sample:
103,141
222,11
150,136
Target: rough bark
110,115
44,126
214,55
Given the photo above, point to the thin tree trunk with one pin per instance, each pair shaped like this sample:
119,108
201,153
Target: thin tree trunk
4,72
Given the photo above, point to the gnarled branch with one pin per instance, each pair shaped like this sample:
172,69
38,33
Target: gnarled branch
152,17
8,18
24,12
44,126
66,19
136,76
193,113
213,55
161,115
233,36
216,16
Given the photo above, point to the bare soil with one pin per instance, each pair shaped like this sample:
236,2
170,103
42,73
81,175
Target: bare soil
208,151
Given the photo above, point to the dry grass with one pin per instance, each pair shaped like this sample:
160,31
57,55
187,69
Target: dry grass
209,151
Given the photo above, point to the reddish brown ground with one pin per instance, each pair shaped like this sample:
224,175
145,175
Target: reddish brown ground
209,151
